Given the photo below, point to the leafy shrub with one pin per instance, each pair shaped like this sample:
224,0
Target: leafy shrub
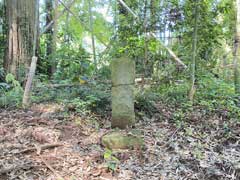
11,92
213,95
93,100
72,64
79,98
174,93
111,161
145,103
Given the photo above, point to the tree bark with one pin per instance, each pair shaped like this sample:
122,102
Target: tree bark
49,33
236,52
54,38
28,86
21,21
194,52
92,32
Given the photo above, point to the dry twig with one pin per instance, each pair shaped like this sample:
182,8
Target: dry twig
39,148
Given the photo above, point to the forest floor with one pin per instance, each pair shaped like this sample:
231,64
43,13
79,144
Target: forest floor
41,144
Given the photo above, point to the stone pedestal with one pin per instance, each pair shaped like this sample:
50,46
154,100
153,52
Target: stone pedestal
123,76
121,140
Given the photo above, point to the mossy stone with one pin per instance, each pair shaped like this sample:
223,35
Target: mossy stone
119,140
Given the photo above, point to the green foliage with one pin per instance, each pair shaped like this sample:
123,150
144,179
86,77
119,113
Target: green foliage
175,93
218,96
93,100
213,95
145,103
11,92
210,31
78,98
110,160
72,64
104,73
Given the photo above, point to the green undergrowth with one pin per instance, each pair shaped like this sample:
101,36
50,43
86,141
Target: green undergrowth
79,98
11,92
213,97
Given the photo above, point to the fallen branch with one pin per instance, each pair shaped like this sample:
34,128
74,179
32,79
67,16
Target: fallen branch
40,148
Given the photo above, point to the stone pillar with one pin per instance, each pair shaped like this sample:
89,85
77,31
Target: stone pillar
123,77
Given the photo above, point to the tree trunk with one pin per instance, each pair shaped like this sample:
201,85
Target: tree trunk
194,53
49,33
28,86
66,32
21,21
153,11
237,50
3,33
145,60
54,38
92,33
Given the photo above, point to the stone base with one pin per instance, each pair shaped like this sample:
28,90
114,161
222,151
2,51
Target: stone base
120,140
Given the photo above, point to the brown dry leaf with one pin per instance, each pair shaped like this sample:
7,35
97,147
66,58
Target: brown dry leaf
44,135
3,131
94,138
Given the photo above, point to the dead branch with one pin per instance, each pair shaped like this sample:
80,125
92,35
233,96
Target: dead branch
39,148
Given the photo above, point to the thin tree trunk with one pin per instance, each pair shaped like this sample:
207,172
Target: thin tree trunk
236,52
92,32
145,60
224,64
194,54
66,33
49,34
4,29
54,38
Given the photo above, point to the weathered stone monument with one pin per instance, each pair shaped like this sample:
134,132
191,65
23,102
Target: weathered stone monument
123,77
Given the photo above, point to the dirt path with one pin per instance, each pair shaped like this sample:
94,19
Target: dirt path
38,145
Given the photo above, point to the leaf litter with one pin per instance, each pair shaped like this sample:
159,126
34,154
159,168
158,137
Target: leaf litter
37,145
